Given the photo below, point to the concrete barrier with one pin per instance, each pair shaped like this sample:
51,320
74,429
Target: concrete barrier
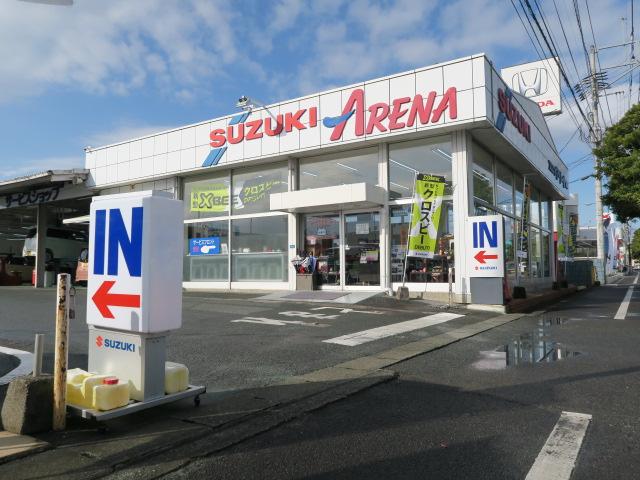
28,405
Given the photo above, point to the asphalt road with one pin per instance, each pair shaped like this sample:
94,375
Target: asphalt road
220,341
478,408
461,412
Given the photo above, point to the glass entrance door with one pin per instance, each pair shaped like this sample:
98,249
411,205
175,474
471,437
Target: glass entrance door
322,240
362,249
347,247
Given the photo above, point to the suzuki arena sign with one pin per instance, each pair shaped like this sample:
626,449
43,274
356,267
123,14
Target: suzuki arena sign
400,113
135,275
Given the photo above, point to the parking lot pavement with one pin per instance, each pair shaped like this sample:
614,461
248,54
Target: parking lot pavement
240,340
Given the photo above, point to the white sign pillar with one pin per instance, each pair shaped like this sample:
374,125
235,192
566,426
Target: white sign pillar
486,259
135,262
134,290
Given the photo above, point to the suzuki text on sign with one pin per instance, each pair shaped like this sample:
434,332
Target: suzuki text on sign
135,270
486,238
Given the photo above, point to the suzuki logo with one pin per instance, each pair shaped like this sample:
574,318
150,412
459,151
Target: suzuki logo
531,83
99,340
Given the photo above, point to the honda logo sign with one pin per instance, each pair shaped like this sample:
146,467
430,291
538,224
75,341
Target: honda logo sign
538,81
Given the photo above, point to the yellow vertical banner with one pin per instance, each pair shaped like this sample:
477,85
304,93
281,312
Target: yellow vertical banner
425,215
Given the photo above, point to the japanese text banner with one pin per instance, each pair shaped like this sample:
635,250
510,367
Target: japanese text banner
425,215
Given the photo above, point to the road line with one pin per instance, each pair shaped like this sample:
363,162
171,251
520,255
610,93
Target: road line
624,306
279,323
557,459
24,368
365,336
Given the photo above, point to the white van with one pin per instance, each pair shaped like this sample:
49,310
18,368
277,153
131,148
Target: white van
61,244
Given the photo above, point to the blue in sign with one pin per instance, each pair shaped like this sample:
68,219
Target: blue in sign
118,238
481,233
204,246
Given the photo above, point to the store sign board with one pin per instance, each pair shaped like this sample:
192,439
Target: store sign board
204,246
538,81
425,215
379,117
135,276
486,255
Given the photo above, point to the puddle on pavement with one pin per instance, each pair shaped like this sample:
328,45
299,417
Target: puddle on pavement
526,349
550,320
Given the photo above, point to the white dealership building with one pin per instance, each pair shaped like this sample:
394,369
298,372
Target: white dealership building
332,174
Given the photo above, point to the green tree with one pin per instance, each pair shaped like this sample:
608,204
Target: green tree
619,156
635,245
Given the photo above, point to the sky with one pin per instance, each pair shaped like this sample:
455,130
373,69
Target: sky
97,72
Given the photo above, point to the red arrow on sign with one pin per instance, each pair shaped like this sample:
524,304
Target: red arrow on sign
103,299
481,256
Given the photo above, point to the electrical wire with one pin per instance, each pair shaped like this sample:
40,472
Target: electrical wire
595,45
568,141
566,41
562,70
541,56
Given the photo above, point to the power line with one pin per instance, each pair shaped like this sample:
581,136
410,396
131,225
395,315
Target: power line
566,41
562,71
586,2
570,138
541,56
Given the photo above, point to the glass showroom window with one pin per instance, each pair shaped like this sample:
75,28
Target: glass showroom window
535,253
421,270
207,252
259,249
544,211
482,175
546,255
504,187
519,185
535,206
339,169
432,156
252,187
509,248
206,198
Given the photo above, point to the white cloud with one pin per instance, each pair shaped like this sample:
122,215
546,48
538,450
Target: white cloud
113,47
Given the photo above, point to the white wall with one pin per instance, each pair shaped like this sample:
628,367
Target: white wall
185,149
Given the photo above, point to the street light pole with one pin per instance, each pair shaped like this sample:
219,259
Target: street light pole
595,123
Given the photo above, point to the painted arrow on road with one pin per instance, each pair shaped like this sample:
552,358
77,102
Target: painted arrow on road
103,299
481,256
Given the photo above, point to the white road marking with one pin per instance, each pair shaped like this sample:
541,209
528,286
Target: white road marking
24,368
317,316
350,310
557,459
624,306
279,323
365,336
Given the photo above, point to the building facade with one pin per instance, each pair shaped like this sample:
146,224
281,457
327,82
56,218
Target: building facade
332,174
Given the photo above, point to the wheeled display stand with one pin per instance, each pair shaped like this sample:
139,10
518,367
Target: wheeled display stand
138,358
134,406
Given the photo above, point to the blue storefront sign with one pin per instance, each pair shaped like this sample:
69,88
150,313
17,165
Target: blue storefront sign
204,246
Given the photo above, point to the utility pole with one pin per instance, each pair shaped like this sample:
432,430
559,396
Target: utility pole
595,124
